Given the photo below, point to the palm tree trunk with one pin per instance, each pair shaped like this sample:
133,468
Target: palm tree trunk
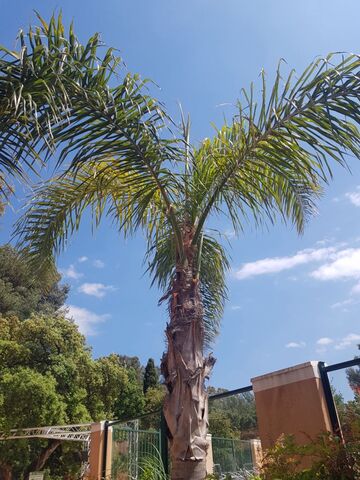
185,369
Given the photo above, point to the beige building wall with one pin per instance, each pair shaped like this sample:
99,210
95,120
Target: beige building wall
291,401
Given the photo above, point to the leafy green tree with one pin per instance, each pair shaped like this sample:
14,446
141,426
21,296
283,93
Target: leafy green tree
238,413
22,292
154,399
48,356
220,424
323,457
269,161
349,412
48,377
45,368
130,403
353,376
132,362
114,383
28,398
151,376
22,387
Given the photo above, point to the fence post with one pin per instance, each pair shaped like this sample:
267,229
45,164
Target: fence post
234,462
256,453
209,456
329,398
96,456
164,449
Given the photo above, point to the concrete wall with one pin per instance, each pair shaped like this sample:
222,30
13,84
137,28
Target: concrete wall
291,401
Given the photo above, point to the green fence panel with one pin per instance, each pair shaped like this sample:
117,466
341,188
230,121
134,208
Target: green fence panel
130,447
231,455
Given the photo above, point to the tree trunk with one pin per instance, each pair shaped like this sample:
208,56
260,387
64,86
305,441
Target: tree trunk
43,457
185,369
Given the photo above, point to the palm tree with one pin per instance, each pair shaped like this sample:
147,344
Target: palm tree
270,162
37,84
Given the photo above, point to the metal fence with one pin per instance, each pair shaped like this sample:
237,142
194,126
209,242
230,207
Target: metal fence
231,455
329,397
147,437
130,447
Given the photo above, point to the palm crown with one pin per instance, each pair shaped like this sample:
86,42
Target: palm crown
270,159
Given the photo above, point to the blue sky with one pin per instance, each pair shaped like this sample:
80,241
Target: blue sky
292,298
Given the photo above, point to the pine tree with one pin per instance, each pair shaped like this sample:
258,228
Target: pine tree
151,376
23,293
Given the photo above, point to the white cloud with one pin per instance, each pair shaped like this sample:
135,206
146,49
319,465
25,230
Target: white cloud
295,345
325,341
344,264
95,289
356,289
348,341
71,272
354,197
279,264
230,233
85,319
236,307
98,264
82,259
325,241
344,303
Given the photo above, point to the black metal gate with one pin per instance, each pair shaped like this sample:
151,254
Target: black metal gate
324,371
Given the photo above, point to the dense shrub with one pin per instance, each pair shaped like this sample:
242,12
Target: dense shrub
329,458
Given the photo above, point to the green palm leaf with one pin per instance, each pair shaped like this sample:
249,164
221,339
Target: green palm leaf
37,85
275,156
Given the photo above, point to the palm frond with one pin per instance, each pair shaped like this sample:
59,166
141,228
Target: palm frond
37,85
212,269
275,155
124,125
57,207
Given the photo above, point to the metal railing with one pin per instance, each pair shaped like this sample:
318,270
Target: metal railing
130,447
324,371
231,455
76,433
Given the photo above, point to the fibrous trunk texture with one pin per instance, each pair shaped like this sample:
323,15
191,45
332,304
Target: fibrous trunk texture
185,369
